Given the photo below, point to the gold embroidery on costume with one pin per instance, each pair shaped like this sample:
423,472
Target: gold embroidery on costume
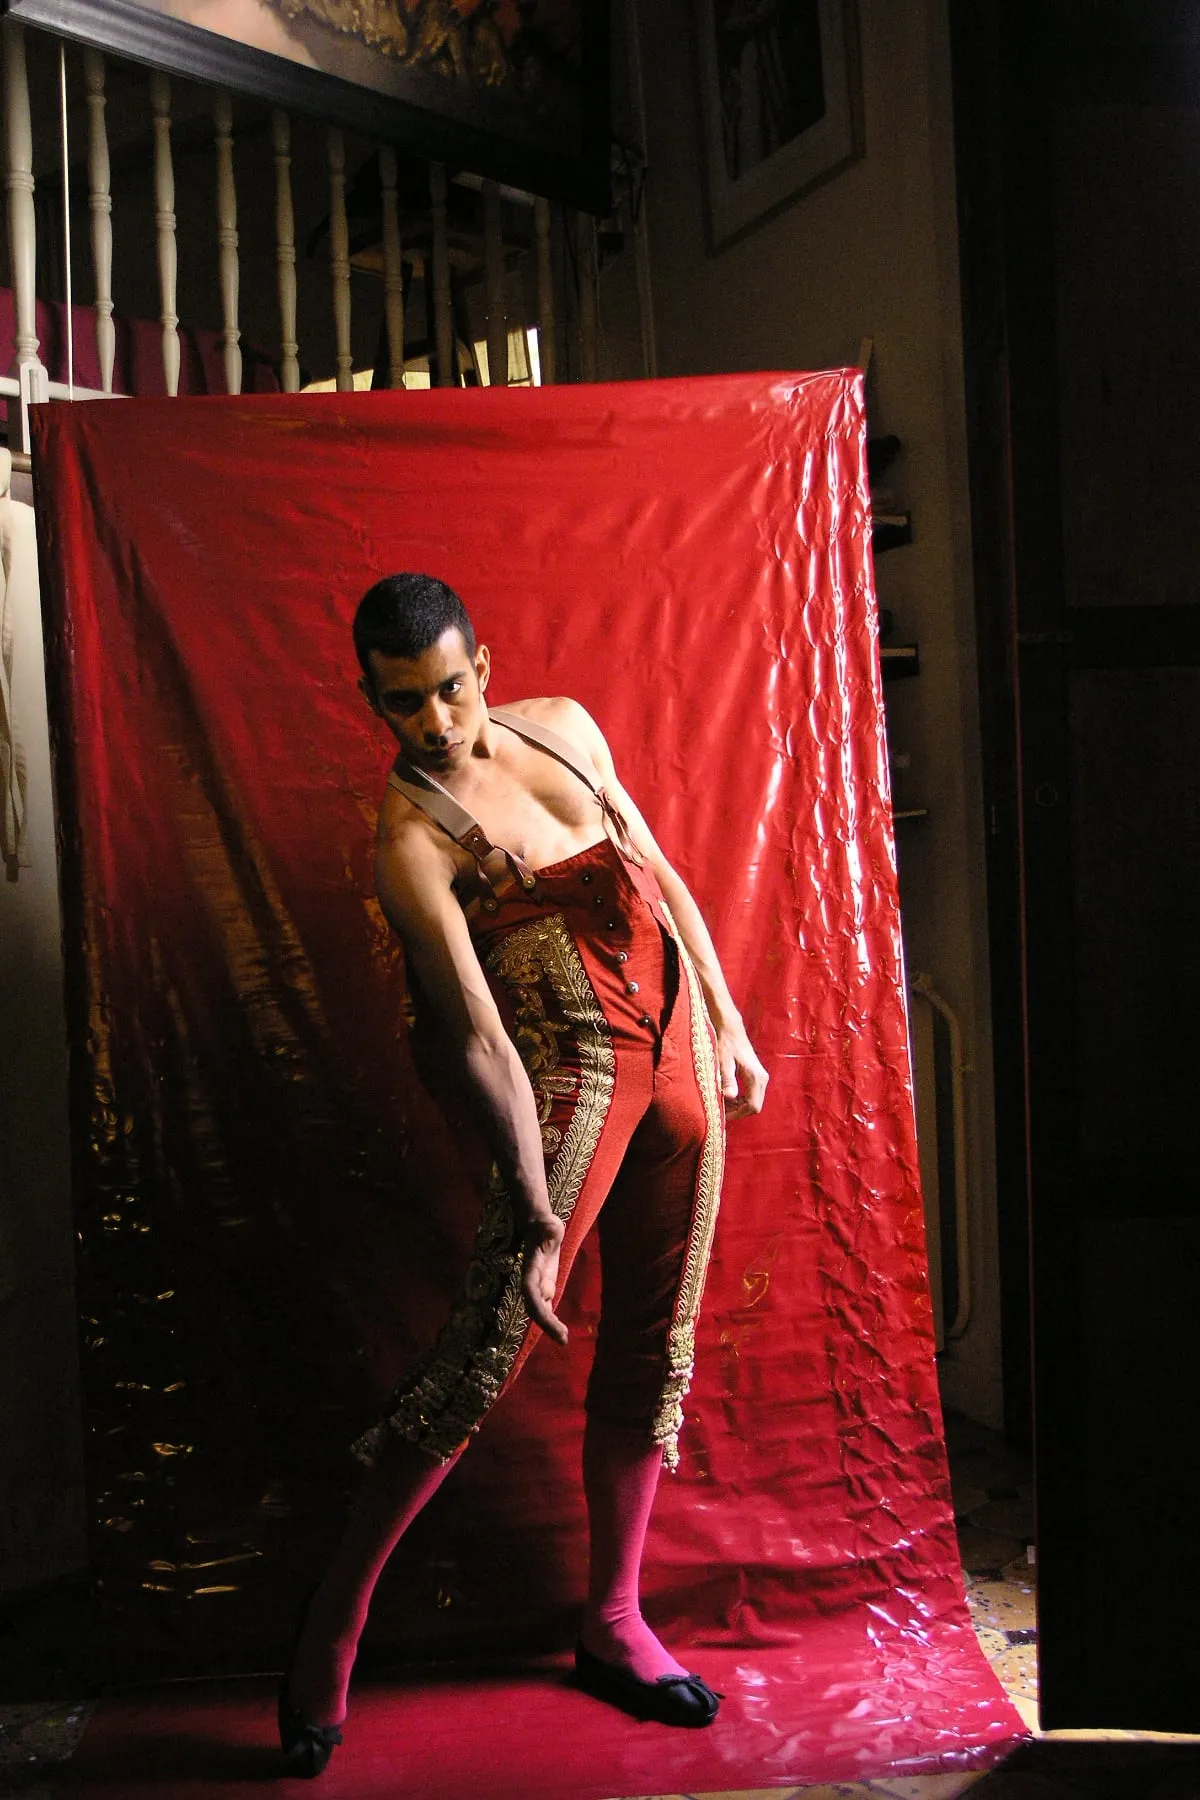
681,1338
445,1397
536,1035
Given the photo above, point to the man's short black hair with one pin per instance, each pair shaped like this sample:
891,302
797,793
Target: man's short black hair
402,615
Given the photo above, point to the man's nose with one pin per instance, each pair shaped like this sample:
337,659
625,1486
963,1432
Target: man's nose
435,719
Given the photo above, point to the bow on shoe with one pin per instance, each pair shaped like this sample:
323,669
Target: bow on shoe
672,1699
306,1748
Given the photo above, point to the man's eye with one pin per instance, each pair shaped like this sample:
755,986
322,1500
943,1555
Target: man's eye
451,687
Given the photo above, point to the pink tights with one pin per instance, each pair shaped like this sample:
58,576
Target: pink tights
620,1475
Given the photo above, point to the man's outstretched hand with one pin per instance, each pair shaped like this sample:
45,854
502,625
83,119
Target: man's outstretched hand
541,1242
743,1078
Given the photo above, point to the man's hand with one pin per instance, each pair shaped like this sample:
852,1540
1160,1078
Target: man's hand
541,1242
743,1078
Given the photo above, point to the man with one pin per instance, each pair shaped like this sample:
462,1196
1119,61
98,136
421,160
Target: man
563,978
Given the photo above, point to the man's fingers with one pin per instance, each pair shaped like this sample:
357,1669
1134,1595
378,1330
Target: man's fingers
542,1313
541,1277
747,1098
554,1328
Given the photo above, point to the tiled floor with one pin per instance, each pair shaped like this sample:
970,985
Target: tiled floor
993,1508
993,1505
35,1738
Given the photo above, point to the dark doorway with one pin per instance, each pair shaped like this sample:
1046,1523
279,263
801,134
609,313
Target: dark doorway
1079,163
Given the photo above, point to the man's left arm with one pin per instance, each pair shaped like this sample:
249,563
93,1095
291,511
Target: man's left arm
743,1078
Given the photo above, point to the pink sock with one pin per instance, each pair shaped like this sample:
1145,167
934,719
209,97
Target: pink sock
391,1496
620,1476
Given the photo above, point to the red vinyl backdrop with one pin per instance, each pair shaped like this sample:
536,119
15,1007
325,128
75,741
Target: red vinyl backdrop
270,1215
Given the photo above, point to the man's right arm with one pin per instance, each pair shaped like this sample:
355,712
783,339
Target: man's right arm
413,878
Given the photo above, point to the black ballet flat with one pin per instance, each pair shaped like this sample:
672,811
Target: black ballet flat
306,1748
671,1700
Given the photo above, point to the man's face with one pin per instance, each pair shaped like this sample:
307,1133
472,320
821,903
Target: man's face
433,703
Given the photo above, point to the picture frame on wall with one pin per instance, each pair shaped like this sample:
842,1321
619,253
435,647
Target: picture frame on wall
780,101
517,94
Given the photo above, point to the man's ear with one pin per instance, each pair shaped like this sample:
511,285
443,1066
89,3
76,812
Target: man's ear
483,666
367,689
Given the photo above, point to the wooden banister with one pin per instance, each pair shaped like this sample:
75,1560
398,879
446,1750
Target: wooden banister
547,327
285,252
227,243
164,227
22,224
339,260
393,269
447,373
100,211
494,284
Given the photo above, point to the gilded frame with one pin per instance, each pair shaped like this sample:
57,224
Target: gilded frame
456,119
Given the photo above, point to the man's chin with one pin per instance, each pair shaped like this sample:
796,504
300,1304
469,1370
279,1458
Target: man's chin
435,760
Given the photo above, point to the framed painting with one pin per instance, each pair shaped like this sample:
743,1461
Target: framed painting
516,90
781,103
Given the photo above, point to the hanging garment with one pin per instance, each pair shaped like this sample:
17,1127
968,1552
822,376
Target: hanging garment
20,660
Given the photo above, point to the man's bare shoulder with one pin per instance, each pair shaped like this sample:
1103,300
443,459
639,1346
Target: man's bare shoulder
564,715
410,835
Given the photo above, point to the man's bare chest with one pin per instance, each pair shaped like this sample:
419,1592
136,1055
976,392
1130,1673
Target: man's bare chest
535,808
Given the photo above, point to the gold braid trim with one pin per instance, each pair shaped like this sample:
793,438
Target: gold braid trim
681,1337
447,1393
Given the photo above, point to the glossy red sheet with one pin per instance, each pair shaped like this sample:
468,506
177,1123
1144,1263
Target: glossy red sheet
449,1734
270,1216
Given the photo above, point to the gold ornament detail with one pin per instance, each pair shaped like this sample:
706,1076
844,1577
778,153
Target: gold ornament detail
446,1395
681,1337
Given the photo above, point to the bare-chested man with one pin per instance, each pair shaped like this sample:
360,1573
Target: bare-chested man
563,977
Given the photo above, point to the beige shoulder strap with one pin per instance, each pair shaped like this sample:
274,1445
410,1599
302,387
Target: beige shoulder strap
499,873
544,739
498,868
439,804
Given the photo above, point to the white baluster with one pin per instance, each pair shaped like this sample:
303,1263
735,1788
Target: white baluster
393,271
164,226
443,321
22,227
227,241
585,262
547,327
69,296
339,257
100,207
493,283
285,251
